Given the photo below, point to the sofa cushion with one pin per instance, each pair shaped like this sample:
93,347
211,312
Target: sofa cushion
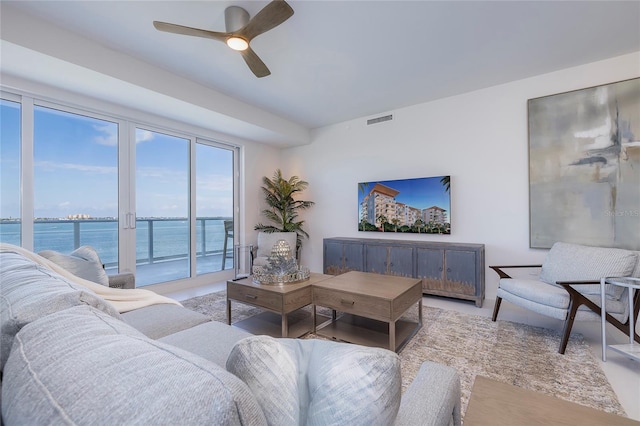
212,340
96,369
84,262
29,291
574,262
318,382
161,320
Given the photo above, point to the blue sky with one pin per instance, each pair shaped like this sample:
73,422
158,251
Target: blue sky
76,169
420,193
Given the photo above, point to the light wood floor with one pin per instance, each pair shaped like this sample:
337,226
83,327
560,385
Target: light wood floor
623,373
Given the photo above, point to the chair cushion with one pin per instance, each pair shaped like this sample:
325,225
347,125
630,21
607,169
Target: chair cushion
553,301
30,291
318,382
619,309
80,366
536,291
636,271
550,311
574,262
84,262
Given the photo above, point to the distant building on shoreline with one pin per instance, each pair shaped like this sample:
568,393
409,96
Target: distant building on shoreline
78,216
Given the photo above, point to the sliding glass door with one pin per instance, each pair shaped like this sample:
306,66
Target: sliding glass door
75,183
214,207
173,174
162,207
155,202
10,212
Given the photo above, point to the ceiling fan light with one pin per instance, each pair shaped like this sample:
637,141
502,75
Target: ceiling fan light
237,43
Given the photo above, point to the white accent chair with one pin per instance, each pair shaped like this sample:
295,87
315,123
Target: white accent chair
266,241
568,287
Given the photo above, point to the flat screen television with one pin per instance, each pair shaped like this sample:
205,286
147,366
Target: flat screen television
420,205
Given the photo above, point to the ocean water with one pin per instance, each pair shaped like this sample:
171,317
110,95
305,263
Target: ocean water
170,237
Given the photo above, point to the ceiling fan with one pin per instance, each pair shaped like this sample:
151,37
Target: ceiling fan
240,30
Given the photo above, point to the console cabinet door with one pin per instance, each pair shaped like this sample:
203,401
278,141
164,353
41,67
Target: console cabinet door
401,261
376,259
389,260
430,267
353,257
333,257
460,272
341,257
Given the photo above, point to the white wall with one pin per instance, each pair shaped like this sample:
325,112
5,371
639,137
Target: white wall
479,138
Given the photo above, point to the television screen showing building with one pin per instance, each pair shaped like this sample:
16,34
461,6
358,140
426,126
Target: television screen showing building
419,205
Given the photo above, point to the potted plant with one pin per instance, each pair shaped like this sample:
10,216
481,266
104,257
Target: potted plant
283,208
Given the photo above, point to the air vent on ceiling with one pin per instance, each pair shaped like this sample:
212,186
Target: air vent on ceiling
380,119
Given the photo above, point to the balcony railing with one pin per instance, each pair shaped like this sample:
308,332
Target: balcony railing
157,239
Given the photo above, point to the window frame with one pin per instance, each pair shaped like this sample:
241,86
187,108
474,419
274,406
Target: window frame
127,121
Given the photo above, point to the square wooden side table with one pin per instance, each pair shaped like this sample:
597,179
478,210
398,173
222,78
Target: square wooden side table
278,301
372,306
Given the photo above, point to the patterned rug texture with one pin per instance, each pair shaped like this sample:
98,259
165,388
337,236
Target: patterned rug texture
509,352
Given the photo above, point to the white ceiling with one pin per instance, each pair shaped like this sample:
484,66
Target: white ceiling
337,60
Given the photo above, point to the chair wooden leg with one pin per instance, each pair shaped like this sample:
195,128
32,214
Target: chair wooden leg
577,300
568,324
496,308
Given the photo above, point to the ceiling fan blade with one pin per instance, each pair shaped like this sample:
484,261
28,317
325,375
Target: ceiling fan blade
196,32
272,15
255,63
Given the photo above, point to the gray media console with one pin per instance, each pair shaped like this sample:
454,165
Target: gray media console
446,269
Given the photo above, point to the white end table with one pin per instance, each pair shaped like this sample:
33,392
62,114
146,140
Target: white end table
631,349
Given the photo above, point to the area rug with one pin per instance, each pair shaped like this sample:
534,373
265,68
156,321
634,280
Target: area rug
509,352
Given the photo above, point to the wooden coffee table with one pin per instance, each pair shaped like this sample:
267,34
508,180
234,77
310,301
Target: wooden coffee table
495,403
371,307
278,301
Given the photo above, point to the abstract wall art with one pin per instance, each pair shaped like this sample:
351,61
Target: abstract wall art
584,167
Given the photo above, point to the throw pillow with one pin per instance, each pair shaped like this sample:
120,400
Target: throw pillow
83,262
30,292
80,366
317,382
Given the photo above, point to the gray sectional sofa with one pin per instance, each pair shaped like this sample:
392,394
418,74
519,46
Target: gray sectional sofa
68,356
